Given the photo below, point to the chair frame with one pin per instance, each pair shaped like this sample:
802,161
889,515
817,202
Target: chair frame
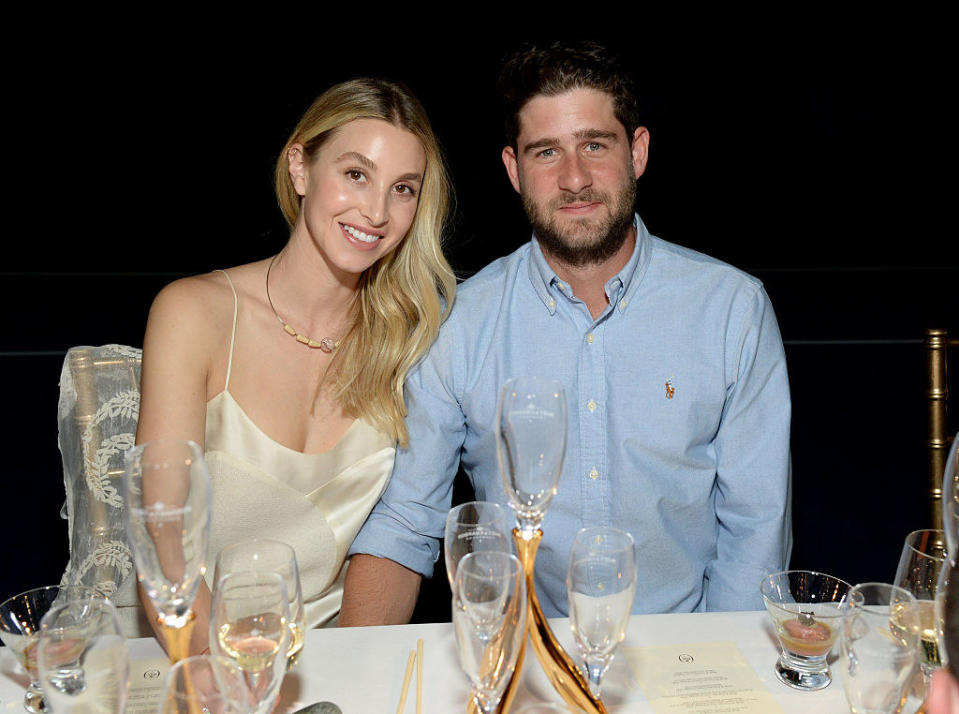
938,344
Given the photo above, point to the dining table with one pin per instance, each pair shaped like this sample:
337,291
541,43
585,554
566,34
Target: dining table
719,662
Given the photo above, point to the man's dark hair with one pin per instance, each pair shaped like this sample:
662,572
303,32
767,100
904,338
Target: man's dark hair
559,68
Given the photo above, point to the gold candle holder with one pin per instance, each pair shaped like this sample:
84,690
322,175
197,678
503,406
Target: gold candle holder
562,673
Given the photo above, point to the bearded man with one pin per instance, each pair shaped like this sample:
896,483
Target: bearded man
672,363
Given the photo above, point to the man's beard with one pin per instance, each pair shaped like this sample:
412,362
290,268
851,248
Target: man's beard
587,242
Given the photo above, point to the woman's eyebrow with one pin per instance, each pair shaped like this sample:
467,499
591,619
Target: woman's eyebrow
357,157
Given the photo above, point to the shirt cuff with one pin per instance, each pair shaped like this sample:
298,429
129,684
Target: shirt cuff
383,536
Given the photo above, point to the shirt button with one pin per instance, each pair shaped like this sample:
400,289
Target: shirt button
589,338
591,405
551,303
622,304
593,474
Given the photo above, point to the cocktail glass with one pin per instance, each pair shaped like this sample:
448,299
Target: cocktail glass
805,608
19,629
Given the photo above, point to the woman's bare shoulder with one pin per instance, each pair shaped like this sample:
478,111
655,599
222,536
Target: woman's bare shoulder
208,297
196,305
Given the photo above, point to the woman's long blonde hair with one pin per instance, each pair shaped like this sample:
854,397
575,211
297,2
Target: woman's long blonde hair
404,297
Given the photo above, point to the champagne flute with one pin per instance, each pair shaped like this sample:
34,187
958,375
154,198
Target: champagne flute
166,489
83,658
472,527
530,430
208,684
489,617
920,565
249,624
601,584
269,556
879,637
530,446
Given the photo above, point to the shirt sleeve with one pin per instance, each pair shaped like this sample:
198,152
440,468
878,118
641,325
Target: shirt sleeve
753,479
408,522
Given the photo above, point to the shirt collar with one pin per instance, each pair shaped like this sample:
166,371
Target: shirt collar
619,289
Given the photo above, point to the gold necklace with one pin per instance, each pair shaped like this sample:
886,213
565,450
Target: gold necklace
327,344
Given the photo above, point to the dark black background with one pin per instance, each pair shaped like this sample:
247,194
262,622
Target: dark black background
814,151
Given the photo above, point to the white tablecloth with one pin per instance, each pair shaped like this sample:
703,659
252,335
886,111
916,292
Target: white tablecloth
361,669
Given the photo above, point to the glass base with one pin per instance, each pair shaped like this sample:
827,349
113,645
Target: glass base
807,680
33,700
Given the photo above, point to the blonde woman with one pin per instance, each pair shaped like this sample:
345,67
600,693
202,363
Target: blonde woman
290,370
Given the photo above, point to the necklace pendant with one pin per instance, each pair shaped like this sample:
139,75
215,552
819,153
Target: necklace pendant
327,344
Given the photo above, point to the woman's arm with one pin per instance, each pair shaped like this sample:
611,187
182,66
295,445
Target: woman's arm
178,348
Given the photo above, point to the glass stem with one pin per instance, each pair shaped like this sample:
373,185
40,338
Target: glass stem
594,672
486,704
178,638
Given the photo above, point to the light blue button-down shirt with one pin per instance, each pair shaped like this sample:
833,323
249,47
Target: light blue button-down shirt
679,414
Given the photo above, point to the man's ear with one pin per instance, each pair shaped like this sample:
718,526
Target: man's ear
512,170
296,161
640,150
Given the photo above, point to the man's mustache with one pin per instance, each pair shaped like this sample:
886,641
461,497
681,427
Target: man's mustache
587,195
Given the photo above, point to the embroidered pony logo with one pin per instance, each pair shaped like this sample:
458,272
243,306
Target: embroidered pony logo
670,389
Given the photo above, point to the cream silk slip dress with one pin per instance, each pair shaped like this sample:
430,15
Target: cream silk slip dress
314,502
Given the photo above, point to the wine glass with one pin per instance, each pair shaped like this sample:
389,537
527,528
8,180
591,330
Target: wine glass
879,638
920,565
20,618
601,584
269,556
166,489
472,527
489,617
530,446
249,624
950,525
950,498
207,684
82,658
805,607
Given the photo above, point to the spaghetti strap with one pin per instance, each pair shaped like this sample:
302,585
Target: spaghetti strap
229,363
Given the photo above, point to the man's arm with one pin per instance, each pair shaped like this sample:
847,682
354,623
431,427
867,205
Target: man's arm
753,488
399,543
378,591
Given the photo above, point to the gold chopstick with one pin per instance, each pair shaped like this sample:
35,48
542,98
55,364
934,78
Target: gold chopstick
406,682
419,676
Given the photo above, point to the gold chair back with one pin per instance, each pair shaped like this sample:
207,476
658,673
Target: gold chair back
97,418
938,346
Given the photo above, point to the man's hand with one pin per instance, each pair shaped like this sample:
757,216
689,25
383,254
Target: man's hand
378,591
